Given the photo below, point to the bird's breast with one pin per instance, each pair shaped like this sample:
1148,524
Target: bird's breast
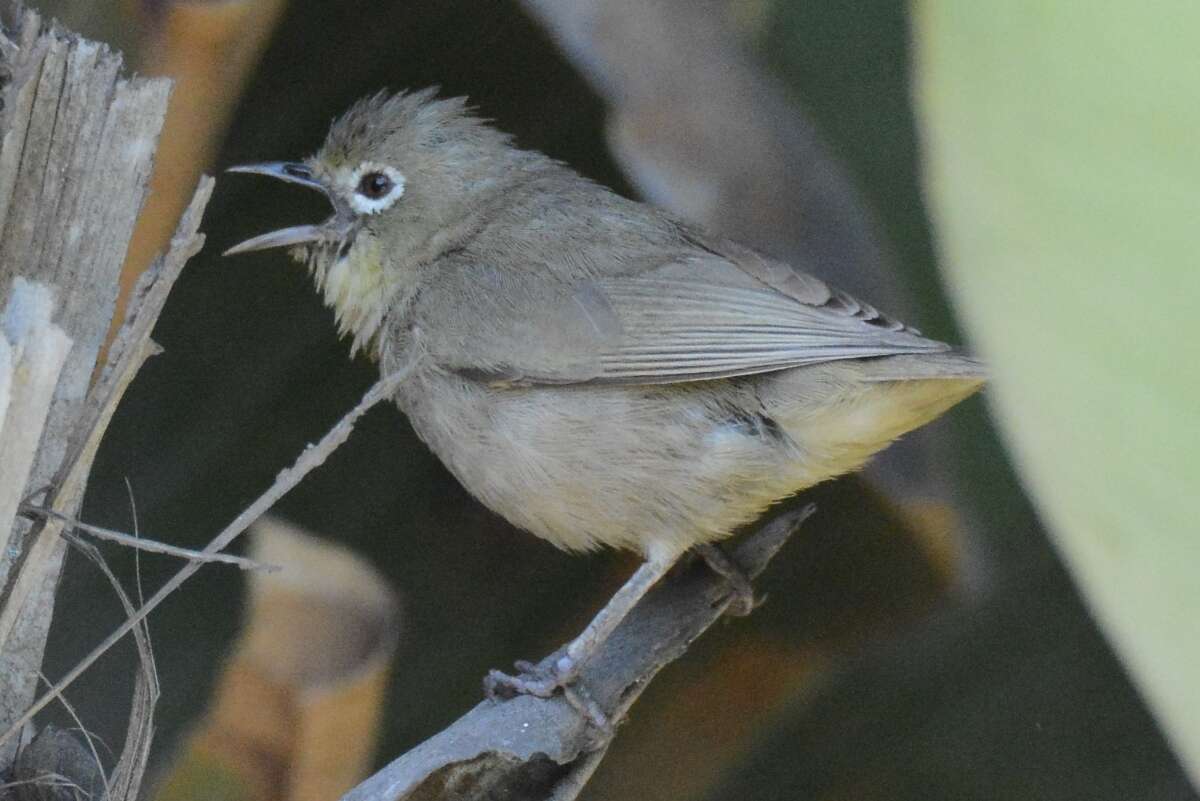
360,289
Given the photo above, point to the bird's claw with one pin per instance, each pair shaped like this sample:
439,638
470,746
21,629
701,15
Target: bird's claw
529,680
558,674
742,600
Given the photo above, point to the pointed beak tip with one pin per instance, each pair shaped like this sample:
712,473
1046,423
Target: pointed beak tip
292,172
241,247
286,237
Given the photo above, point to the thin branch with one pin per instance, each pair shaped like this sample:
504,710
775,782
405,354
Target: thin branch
143,544
544,748
312,457
137,532
130,770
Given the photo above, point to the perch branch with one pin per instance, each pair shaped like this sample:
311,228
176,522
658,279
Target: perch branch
544,748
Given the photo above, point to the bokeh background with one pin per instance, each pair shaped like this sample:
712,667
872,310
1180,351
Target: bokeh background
922,638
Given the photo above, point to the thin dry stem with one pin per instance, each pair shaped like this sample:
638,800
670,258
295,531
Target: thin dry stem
312,457
46,780
144,544
130,768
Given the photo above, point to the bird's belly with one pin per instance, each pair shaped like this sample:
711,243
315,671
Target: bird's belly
651,469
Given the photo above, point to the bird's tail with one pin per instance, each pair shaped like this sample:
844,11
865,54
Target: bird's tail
843,412
915,367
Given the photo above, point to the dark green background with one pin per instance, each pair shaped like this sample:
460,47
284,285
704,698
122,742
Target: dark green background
1008,692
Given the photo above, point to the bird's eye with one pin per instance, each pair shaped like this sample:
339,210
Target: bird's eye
374,185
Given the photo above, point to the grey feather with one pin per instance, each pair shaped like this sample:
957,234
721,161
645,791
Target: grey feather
710,331
528,329
544,314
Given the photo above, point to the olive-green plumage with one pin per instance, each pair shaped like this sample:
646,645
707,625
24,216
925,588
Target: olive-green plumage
591,368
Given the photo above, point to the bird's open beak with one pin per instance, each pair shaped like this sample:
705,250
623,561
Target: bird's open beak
293,173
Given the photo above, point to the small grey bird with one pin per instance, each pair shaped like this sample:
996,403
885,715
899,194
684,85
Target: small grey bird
591,368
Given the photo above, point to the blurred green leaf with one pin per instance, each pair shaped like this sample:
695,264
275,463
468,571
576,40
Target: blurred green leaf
1063,167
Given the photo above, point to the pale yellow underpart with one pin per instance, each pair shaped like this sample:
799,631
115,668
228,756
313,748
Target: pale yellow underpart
359,292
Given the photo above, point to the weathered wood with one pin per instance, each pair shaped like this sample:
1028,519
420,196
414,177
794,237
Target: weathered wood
76,148
544,748
32,352
131,347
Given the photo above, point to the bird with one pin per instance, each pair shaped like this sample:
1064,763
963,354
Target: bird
595,370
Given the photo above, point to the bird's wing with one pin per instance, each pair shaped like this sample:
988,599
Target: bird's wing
787,280
692,319
513,326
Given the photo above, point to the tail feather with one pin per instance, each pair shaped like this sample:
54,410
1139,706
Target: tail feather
842,413
924,366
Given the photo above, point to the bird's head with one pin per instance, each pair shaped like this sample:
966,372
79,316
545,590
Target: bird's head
407,176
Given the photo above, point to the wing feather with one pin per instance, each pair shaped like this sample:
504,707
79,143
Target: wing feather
674,330
694,318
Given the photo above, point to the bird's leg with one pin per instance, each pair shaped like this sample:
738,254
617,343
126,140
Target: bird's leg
742,600
565,664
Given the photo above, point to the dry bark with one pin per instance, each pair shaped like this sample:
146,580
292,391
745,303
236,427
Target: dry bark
77,144
544,748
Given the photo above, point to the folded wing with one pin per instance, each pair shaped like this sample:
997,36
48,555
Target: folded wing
689,320
673,330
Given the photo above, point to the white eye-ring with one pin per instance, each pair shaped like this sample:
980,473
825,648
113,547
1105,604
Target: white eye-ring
376,187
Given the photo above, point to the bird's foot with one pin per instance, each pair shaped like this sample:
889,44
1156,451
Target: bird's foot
741,592
556,674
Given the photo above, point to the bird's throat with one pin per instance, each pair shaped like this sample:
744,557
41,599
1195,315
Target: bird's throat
355,285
